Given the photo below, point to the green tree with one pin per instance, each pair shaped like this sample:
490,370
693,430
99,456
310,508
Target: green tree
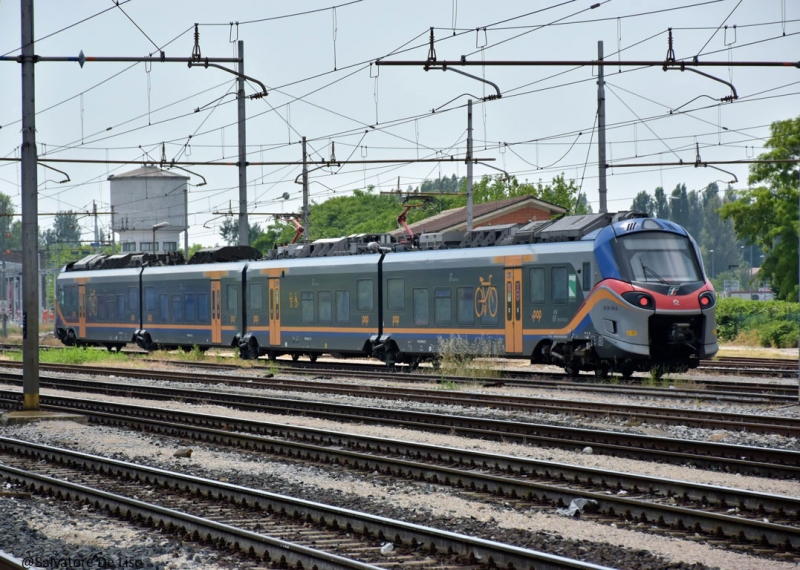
644,203
66,230
229,231
767,215
662,206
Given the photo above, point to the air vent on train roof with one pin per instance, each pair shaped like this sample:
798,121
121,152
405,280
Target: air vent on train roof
630,226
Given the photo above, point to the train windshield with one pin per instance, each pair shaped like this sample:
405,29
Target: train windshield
659,257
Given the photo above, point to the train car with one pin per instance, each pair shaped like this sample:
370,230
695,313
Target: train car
313,305
97,307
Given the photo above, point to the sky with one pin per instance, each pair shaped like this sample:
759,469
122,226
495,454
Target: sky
316,58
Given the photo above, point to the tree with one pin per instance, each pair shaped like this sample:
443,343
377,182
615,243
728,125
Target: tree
229,231
768,215
66,230
644,203
662,206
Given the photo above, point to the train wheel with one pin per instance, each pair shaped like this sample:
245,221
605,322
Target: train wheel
601,372
313,357
71,340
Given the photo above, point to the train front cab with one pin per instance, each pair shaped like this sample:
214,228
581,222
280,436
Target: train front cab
659,307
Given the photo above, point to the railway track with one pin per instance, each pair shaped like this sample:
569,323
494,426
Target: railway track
633,414
280,530
758,523
761,461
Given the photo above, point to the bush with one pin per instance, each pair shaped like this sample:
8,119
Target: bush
474,359
776,321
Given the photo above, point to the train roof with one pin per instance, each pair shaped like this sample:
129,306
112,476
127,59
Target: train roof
559,230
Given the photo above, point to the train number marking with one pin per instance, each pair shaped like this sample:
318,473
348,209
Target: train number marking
395,320
149,318
486,299
294,302
364,320
536,315
255,319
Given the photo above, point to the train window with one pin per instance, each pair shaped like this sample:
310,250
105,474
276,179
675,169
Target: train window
442,307
177,309
110,307
150,299
420,297
120,306
232,296
586,273
73,297
307,306
465,301
342,306
537,284
133,299
256,301
188,308
559,288
395,289
202,308
163,308
62,298
100,307
364,287
324,298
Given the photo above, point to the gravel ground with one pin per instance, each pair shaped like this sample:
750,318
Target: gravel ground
439,507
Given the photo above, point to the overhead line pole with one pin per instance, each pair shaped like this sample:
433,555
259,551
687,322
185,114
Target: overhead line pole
30,207
244,228
601,131
469,165
305,192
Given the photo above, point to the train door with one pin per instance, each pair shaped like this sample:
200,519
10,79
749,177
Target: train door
274,311
216,311
82,311
513,295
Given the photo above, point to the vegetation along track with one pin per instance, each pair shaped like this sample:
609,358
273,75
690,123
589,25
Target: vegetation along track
756,423
249,519
731,458
757,522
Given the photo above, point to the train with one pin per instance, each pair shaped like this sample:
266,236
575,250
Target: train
603,293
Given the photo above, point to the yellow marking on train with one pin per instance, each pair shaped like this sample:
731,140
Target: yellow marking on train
216,274
632,333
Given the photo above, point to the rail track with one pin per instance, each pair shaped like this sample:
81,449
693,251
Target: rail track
762,461
633,414
283,531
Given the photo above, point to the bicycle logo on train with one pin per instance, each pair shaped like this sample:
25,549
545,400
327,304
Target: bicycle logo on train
486,300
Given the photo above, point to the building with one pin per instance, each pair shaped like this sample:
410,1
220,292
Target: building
149,208
519,210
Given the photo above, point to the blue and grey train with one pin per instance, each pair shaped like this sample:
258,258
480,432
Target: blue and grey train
600,292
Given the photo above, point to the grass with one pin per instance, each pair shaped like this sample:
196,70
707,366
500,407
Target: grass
74,355
460,357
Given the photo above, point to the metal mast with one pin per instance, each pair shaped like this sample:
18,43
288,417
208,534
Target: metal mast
469,165
601,129
244,233
305,191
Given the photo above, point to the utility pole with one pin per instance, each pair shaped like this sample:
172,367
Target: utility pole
30,207
305,192
96,231
601,129
244,231
3,285
469,165
113,234
186,222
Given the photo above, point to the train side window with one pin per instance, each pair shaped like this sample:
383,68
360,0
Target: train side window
420,297
465,301
537,284
256,301
163,308
559,289
307,306
442,306
120,306
202,308
342,307
150,299
364,289
100,304
177,308
61,297
188,307
324,299
232,297
395,294
586,273
110,307
133,299
73,297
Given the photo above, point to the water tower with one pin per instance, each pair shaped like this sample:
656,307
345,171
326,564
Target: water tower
149,208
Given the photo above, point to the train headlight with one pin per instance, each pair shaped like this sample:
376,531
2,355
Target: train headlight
641,300
707,300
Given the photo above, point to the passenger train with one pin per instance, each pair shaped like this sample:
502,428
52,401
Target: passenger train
600,292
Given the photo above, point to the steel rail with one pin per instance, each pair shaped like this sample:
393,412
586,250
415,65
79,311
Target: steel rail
761,461
389,458
475,549
756,423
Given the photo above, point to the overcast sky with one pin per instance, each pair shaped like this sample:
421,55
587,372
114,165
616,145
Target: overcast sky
316,67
